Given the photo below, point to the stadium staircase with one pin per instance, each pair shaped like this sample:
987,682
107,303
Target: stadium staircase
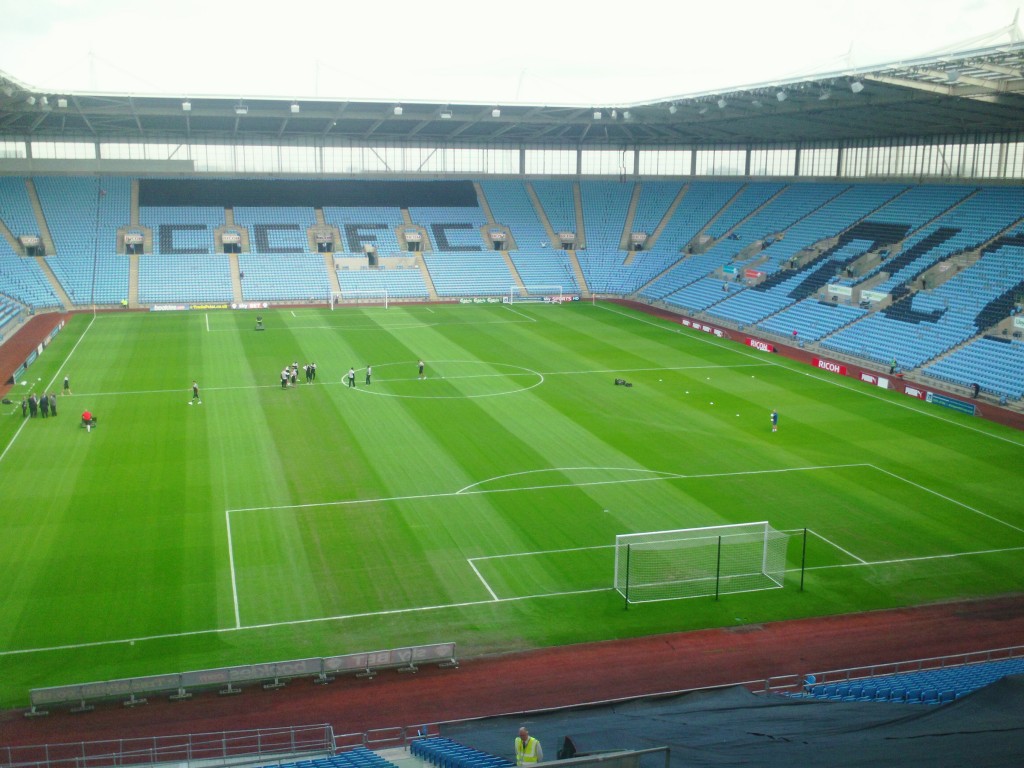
481,199
427,279
44,230
58,289
543,216
652,237
701,247
9,237
133,280
332,272
577,271
236,278
581,227
513,271
627,226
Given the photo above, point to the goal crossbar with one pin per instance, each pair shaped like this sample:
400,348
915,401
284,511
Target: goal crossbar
377,296
533,292
693,562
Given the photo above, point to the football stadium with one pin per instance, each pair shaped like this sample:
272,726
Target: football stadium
363,432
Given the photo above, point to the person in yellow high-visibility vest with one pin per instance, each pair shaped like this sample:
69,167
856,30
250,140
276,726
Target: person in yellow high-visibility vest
528,749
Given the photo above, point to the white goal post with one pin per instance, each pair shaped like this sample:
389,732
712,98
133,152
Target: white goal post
534,293
695,562
379,296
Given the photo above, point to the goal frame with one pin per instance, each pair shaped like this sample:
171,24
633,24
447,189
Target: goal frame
696,576
359,297
534,292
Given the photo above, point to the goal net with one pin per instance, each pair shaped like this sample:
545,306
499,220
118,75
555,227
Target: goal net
535,293
694,562
379,297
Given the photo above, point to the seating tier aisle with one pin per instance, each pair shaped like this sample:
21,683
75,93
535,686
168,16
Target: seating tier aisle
545,268
556,198
511,207
83,216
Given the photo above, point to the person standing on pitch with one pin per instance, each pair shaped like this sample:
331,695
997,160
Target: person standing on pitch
420,364
369,373
528,749
195,394
775,420
67,386
352,377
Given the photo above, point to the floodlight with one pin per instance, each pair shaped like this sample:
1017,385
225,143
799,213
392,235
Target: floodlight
241,109
781,95
31,100
703,110
398,110
62,103
43,101
446,114
8,91
856,86
825,95
295,108
597,115
495,112
186,106
626,115
756,103
672,109
722,103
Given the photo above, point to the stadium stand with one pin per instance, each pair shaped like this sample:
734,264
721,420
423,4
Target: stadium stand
931,686
181,229
283,277
446,753
184,279
398,283
755,254
84,215
376,226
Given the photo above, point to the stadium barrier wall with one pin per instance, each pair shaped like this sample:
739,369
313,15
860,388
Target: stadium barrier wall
271,675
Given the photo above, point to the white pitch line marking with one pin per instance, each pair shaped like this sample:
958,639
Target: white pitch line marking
947,498
231,567
482,579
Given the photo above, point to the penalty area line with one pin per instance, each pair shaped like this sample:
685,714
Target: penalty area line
482,579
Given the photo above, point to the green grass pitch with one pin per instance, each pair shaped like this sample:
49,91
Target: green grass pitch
478,505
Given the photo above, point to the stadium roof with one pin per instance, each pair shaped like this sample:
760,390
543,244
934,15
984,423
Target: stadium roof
966,93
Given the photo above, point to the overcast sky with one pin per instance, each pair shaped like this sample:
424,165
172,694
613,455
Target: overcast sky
529,51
